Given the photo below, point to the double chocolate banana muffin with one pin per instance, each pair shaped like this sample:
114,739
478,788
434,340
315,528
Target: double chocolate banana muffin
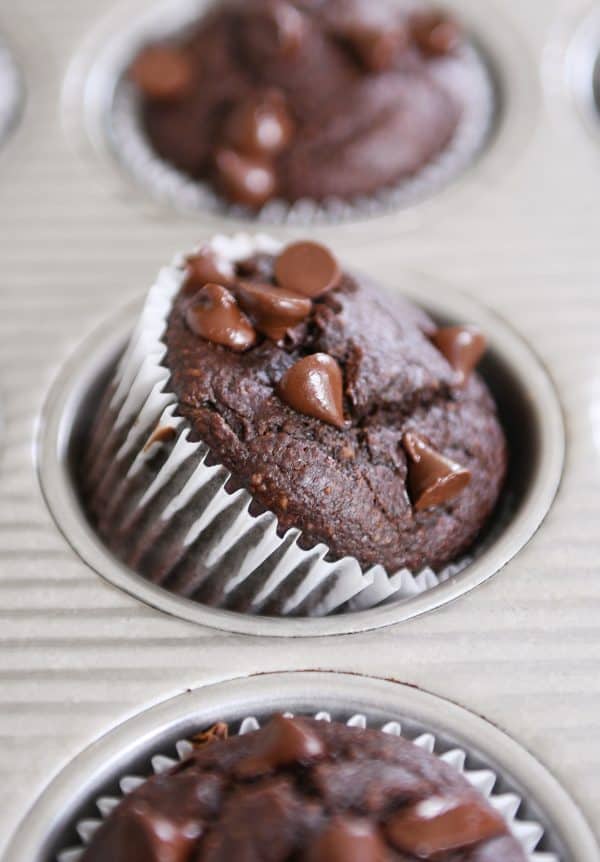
345,411
301,790
295,99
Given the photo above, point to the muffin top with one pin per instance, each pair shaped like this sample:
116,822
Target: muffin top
342,409
301,790
299,99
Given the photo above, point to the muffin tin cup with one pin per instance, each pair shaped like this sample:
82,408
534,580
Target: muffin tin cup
250,567
538,811
112,119
11,92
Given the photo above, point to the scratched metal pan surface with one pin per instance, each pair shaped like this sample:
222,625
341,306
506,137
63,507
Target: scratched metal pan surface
517,233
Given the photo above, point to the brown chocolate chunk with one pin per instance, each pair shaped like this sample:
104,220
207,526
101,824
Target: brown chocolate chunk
314,386
207,267
214,314
348,840
287,27
273,310
432,478
436,33
376,48
308,268
261,125
463,347
247,180
162,73
283,741
218,731
440,825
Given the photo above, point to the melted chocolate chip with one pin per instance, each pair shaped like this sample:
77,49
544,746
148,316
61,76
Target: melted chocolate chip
432,478
376,49
161,434
214,314
283,741
436,33
162,73
273,310
207,267
348,840
260,126
307,268
246,180
218,731
463,347
440,825
314,386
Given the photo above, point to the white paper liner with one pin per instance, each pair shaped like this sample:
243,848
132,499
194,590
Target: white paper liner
226,557
466,76
528,832
11,91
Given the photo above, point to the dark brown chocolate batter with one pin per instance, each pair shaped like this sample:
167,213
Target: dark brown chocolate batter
300,98
301,790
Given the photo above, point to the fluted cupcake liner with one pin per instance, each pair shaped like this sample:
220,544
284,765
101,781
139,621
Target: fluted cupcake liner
466,76
11,91
180,524
528,832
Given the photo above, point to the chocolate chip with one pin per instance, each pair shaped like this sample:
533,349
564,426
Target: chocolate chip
162,73
463,347
273,310
283,741
314,386
432,478
247,180
348,839
376,49
439,825
260,126
307,268
214,314
207,267
436,33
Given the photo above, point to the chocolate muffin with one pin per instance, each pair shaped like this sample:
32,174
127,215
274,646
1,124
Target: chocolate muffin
344,411
301,790
295,99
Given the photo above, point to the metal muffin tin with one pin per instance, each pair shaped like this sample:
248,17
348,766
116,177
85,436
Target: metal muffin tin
50,826
529,410
519,232
12,91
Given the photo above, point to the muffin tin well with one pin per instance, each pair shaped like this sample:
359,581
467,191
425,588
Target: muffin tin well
529,412
99,109
547,822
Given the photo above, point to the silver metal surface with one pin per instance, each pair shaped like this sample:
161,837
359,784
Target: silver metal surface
49,827
519,233
532,417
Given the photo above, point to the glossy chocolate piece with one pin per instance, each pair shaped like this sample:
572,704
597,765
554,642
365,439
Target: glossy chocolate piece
283,741
314,386
439,825
261,125
273,310
214,314
436,33
217,733
307,268
463,347
207,267
162,73
432,479
349,840
376,48
246,180
277,26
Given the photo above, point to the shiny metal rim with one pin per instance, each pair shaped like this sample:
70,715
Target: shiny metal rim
97,353
47,827
583,69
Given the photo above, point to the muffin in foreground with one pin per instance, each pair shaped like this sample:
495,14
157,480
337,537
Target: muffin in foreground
295,100
343,412
301,790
